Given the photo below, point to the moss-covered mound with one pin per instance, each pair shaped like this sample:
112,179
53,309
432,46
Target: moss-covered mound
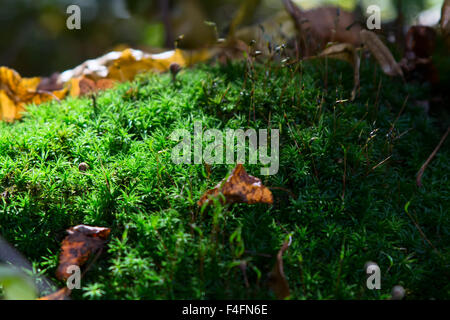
345,190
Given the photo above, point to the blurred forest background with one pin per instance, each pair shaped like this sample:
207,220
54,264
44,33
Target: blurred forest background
35,39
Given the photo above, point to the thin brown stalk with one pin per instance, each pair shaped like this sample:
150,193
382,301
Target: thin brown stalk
425,165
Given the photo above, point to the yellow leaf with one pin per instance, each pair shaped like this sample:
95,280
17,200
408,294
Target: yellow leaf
125,65
131,62
7,107
16,92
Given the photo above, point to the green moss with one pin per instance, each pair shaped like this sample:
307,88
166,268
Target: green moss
163,246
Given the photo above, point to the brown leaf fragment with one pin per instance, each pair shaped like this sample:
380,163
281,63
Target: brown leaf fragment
61,294
50,83
345,52
319,26
381,53
83,85
239,187
78,246
277,279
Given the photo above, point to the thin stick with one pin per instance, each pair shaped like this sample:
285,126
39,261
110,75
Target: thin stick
379,164
424,166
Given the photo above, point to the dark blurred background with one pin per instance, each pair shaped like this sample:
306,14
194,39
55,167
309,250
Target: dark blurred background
36,42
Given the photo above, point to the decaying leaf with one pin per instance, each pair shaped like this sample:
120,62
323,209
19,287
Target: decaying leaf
239,187
345,52
78,246
381,53
50,83
61,294
277,279
125,65
319,26
16,92
445,21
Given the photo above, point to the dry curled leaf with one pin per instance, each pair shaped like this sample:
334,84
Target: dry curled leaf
381,53
277,279
345,52
61,294
239,187
319,26
78,246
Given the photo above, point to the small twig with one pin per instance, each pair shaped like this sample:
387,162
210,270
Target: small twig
381,163
424,166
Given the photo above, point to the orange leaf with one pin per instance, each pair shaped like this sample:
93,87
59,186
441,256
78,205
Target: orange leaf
239,187
78,246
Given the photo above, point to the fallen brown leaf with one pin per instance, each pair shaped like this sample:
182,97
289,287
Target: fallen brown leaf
78,246
319,26
239,187
381,53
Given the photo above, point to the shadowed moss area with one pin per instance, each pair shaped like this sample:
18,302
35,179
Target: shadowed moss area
346,172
